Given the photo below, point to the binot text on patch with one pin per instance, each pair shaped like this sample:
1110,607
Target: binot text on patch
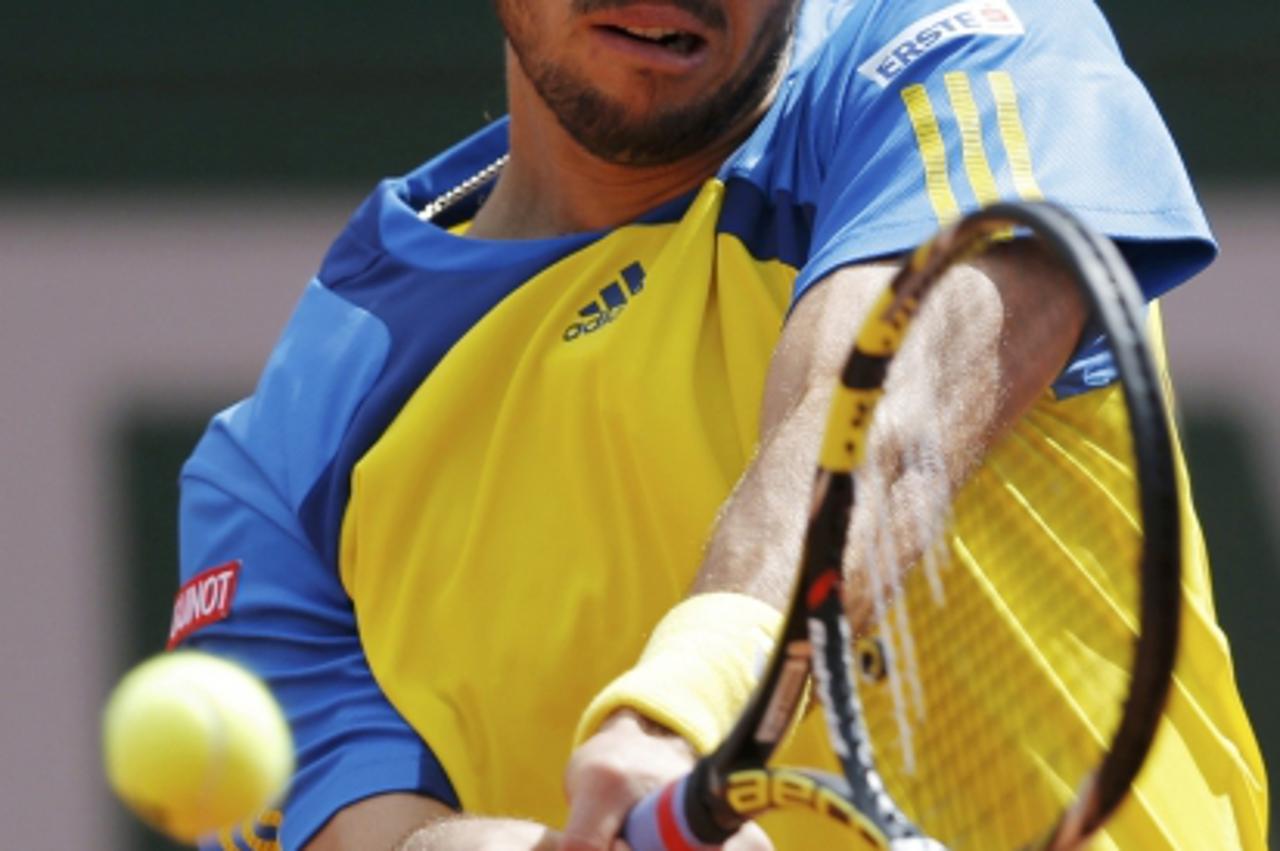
203,599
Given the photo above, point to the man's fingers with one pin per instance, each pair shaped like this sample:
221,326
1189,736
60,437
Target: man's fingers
601,793
594,821
611,772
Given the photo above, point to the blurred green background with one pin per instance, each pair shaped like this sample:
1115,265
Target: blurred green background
197,97
210,94
149,92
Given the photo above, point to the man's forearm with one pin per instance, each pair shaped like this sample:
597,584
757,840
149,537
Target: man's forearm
757,537
987,344
407,822
492,834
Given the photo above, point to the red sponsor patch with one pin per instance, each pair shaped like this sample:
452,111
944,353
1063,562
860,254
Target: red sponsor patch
204,599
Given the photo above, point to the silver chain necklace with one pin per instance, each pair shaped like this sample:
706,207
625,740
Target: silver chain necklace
446,200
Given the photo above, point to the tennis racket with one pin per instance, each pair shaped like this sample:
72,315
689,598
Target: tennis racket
1011,687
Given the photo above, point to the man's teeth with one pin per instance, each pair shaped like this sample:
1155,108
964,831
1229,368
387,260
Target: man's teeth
677,40
651,33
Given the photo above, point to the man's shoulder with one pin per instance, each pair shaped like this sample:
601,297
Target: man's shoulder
874,43
328,356
854,58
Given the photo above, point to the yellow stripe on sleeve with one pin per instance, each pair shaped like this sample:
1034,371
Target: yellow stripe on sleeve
246,835
976,165
249,836
1014,135
933,153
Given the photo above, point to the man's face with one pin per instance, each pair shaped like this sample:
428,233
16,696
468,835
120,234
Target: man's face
647,82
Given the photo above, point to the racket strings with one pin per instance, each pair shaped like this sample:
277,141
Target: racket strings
910,505
1024,655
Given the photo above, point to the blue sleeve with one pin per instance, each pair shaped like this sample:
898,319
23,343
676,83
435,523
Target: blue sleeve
919,110
288,618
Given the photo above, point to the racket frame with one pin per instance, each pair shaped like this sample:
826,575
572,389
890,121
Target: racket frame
734,783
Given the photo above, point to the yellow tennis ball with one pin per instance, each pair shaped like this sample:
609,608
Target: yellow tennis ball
193,743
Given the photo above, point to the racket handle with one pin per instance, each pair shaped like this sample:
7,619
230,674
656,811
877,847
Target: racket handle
659,822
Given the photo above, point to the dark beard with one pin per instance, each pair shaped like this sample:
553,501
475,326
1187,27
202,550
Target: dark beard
603,127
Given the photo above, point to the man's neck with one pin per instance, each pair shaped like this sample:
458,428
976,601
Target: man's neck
553,186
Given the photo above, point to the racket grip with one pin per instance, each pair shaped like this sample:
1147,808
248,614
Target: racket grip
659,822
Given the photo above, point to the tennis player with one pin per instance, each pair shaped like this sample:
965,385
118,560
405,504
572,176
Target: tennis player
462,524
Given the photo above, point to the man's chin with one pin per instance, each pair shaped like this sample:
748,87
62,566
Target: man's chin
655,127
655,142
636,137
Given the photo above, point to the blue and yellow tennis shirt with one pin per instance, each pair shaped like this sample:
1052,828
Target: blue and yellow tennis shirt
475,473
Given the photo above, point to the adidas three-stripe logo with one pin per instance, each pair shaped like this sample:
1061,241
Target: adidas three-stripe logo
612,300
980,154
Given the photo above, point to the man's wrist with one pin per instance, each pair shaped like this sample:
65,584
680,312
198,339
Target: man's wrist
624,720
697,672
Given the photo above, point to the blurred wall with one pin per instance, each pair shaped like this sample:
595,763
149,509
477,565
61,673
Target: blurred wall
108,304
170,175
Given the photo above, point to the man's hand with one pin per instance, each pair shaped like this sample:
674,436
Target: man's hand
614,769
407,822
482,834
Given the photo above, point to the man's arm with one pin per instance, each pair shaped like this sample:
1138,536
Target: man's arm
988,343
404,822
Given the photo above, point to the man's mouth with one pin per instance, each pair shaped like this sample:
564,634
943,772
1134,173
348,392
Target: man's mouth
677,41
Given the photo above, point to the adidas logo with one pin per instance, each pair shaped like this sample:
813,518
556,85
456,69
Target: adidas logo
613,299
